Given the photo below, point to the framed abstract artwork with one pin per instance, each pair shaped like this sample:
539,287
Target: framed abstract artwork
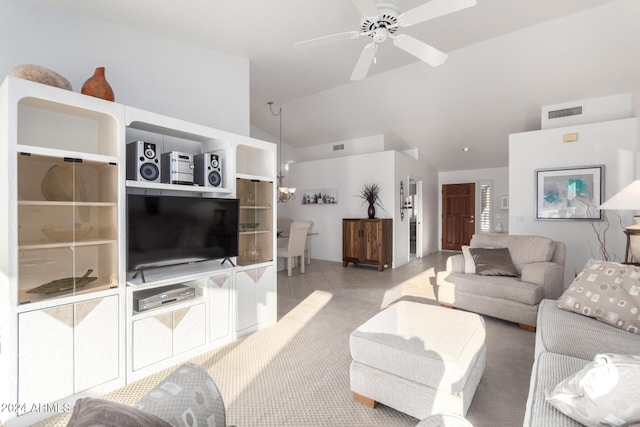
569,193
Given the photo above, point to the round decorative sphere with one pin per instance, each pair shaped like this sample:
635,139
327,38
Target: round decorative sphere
58,185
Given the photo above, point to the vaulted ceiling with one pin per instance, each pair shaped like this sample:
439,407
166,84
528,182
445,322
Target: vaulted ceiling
507,58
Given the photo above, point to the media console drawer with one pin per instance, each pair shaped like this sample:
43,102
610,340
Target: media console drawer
164,335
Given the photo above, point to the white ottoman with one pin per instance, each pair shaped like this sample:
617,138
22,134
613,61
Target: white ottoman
419,359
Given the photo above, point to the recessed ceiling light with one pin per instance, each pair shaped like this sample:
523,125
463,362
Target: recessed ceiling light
465,149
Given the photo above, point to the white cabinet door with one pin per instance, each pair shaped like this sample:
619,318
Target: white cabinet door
256,293
220,306
96,342
189,328
45,366
246,299
266,294
152,340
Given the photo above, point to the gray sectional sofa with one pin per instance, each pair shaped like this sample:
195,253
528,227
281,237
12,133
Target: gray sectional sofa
565,343
539,263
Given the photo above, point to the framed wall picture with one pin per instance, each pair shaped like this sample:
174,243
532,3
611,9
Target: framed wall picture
320,196
569,193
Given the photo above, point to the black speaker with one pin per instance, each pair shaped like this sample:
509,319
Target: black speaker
143,161
208,169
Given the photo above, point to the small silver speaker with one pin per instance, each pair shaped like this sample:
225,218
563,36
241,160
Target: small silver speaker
143,161
208,169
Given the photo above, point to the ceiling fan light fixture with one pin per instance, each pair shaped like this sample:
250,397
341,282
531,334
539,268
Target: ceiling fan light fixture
381,21
380,35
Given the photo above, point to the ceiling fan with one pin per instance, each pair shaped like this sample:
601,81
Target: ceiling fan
381,21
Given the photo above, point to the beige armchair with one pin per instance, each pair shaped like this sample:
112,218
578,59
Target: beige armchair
539,264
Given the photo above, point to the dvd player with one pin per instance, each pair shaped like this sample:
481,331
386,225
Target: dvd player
156,297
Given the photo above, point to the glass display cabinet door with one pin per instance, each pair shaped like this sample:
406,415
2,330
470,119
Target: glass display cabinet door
67,226
256,221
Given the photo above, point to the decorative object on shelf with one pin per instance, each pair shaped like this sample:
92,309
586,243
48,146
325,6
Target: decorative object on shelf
405,203
64,284
61,185
284,193
98,86
249,226
569,193
67,232
370,193
628,199
39,74
253,252
320,196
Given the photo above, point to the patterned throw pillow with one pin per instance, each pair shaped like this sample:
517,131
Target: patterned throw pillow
606,392
188,397
608,291
91,412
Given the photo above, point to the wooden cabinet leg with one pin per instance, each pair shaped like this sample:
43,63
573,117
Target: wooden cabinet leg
370,403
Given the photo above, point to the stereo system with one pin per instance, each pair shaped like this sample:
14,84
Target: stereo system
143,161
156,297
177,168
208,169
146,163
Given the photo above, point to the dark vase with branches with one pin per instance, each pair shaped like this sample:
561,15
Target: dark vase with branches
370,193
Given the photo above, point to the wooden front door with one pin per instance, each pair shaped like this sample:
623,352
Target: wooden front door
458,215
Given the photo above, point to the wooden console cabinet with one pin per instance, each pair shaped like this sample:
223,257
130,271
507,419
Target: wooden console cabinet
367,241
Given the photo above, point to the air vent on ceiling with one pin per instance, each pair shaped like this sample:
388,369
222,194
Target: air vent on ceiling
338,147
565,112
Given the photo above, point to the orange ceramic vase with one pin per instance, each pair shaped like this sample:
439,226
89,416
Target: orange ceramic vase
98,86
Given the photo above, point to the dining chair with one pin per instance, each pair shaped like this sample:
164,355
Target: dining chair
295,247
283,225
307,245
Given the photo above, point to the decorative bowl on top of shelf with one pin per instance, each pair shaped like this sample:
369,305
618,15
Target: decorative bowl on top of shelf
66,232
249,226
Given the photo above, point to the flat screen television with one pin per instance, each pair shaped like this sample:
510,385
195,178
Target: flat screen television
169,230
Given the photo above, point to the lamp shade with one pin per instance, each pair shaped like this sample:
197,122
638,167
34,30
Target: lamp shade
627,199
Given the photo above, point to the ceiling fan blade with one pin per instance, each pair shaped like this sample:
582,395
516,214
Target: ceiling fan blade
364,62
321,41
433,9
420,50
366,7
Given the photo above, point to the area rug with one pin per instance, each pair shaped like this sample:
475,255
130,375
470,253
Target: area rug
296,373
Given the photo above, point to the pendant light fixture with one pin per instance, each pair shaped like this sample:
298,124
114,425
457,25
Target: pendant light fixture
284,193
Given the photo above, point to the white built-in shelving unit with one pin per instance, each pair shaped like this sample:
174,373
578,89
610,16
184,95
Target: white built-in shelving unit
84,337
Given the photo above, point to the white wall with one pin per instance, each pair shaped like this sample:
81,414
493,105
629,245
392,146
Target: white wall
348,174
612,144
368,144
146,71
500,187
420,170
